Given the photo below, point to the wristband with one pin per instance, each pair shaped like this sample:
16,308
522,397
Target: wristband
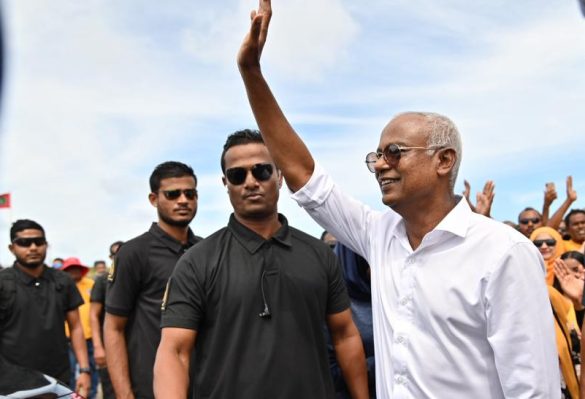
85,370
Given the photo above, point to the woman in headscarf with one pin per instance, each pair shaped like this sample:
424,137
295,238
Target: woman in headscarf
550,244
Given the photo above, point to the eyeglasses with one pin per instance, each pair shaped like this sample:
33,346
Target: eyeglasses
171,195
28,241
528,220
391,154
551,242
260,171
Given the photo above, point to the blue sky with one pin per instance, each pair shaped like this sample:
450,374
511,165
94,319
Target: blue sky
99,92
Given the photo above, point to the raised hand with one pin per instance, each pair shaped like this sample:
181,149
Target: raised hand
251,49
485,199
571,193
550,193
572,286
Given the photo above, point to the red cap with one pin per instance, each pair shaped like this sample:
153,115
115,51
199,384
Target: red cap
70,262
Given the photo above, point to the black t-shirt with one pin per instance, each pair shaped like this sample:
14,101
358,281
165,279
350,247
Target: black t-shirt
219,288
136,287
32,319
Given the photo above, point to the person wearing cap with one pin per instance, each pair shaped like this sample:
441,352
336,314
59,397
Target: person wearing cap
35,301
78,272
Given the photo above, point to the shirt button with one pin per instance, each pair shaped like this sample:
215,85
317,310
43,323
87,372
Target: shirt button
404,301
400,339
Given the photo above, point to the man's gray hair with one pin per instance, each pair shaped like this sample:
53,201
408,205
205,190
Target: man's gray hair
442,132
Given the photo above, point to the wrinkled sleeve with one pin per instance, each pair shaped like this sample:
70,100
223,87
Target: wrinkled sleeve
338,213
520,326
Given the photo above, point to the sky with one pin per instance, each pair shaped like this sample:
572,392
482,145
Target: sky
97,93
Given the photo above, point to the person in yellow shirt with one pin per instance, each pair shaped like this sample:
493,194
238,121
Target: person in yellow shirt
78,272
575,223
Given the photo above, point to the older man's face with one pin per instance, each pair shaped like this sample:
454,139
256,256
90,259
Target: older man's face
413,181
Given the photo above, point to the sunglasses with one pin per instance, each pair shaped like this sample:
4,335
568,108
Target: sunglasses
190,193
528,220
260,171
549,243
28,241
391,154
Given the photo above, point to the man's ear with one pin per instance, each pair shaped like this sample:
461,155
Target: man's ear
447,158
224,181
11,248
279,179
153,198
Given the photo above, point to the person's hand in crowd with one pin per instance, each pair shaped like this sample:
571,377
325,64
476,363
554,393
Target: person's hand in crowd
485,199
99,355
83,384
550,194
571,193
571,285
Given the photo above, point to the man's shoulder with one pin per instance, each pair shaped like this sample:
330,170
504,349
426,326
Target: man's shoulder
495,235
302,241
135,246
204,245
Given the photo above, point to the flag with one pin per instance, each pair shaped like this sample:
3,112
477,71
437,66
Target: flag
5,200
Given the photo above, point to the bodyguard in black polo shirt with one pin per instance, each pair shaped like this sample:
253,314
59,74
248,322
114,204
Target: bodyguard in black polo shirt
137,282
35,303
252,298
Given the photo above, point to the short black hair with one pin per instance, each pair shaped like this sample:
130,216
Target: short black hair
571,213
116,243
578,256
167,170
241,137
24,224
97,262
528,208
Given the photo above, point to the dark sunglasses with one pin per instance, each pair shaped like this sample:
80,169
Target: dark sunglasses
28,241
260,171
190,193
551,242
528,220
391,154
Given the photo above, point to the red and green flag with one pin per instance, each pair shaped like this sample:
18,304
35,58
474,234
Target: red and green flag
5,200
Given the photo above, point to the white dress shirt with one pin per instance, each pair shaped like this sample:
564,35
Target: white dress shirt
465,315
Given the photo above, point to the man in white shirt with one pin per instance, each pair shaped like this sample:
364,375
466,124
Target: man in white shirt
459,301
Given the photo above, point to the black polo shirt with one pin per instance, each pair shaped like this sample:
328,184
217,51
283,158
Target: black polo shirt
137,284
33,313
216,289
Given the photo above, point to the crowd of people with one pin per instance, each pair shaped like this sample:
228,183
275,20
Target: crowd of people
431,298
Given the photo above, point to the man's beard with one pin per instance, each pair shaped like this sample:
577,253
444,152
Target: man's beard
30,265
172,222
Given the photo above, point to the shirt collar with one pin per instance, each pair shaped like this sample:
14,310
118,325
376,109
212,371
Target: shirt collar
26,278
252,241
170,242
456,221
